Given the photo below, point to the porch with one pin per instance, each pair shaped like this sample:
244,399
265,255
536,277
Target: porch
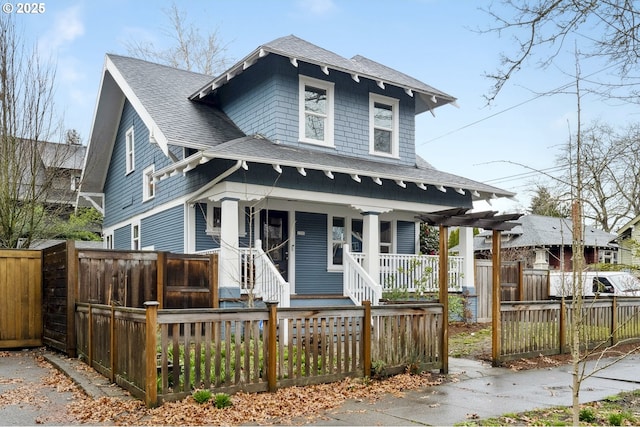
260,279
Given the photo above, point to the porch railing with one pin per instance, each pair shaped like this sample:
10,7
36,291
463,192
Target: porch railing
358,285
415,273
256,268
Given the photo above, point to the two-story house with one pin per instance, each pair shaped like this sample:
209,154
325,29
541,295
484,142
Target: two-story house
307,151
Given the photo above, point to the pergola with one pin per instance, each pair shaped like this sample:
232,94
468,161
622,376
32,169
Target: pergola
461,217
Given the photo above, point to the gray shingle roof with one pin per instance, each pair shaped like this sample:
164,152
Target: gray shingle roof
538,230
164,92
301,50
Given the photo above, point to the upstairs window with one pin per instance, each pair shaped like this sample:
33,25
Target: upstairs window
148,186
130,147
316,111
383,126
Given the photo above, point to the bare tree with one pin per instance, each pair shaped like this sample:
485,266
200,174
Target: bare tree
610,165
189,50
30,167
606,29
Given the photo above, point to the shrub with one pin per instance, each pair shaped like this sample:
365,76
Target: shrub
615,419
202,396
222,400
587,415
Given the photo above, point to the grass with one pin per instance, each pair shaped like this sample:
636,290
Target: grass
620,409
465,344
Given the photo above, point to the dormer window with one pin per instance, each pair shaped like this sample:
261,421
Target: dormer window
316,111
383,126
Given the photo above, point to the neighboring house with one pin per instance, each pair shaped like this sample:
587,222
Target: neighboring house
629,241
63,163
293,145
546,242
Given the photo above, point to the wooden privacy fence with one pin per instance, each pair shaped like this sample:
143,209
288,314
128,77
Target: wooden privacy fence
543,327
20,298
163,355
122,278
517,284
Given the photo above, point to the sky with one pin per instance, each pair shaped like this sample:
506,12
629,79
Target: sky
512,144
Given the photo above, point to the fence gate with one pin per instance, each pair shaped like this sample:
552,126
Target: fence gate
20,298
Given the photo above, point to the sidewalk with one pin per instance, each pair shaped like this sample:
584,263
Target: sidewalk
483,392
477,391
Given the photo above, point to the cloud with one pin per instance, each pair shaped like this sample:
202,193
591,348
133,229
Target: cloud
317,7
67,27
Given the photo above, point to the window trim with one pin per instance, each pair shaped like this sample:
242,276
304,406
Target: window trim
209,220
148,186
395,125
130,151
135,240
348,230
305,81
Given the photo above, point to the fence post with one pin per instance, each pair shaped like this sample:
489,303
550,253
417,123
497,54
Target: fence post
112,345
495,301
271,345
72,296
90,336
614,320
563,326
213,280
366,338
151,371
521,295
161,277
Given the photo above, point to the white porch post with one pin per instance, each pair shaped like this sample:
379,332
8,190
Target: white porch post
371,244
466,251
229,266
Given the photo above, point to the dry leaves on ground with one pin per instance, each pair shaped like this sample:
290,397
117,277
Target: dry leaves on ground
287,405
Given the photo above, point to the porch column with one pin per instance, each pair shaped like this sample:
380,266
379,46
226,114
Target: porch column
229,263
466,251
371,244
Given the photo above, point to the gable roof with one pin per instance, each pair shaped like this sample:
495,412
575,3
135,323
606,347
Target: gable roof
538,230
296,49
162,97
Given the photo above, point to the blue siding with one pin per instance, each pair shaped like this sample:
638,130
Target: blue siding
311,257
164,231
203,240
406,234
122,238
264,99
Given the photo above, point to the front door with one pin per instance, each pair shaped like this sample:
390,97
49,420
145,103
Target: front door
274,233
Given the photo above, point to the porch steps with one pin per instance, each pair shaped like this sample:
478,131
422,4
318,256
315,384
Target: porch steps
319,300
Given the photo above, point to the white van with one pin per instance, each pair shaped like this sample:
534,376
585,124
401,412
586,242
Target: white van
600,283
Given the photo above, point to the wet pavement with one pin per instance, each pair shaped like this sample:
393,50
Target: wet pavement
28,395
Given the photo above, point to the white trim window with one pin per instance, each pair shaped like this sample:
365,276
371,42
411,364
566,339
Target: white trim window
383,125
135,237
108,241
338,233
316,111
213,219
130,151
148,185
